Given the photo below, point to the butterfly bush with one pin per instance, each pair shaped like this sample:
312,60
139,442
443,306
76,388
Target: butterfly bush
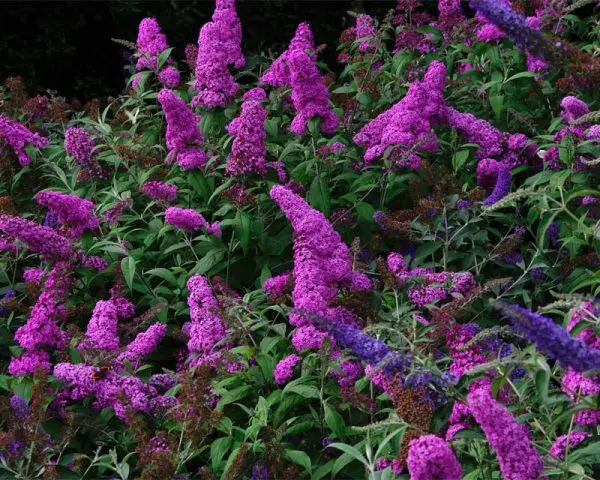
309,95
80,146
285,369
160,190
552,339
510,440
279,74
219,45
430,457
42,330
366,34
36,237
354,289
183,137
71,210
248,151
17,137
408,123
206,328
190,220
321,263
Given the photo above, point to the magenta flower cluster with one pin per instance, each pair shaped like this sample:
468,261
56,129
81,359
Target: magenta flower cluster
322,263
151,42
72,211
248,152
409,122
510,439
17,136
206,327
219,45
160,190
80,146
285,369
278,74
309,94
433,287
36,237
366,33
431,458
41,331
190,220
184,139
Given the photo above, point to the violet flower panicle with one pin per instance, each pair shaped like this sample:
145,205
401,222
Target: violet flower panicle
183,136
551,338
278,74
509,439
190,220
431,458
309,95
16,136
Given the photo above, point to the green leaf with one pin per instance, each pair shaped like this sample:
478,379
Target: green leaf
128,269
520,75
299,458
350,450
234,395
497,103
335,421
542,377
164,274
319,196
306,391
459,159
217,451
242,229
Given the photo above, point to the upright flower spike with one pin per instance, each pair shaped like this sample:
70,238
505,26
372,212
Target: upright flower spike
75,212
143,345
41,331
219,45
551,338
80,146
513,25
408,124
278,74
366,34
150,42
248,152
322,261
102,329
309,95
16,136
510,439
184,139
160,190
430,458
206,328
231,32
502,186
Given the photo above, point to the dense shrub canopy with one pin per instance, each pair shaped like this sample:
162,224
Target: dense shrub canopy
253,267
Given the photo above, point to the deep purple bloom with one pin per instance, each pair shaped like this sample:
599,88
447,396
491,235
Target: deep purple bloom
502,187
188,219
514,25
551,338
510,439
431,458
16,136
248,152
19,407
160,190
36,237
